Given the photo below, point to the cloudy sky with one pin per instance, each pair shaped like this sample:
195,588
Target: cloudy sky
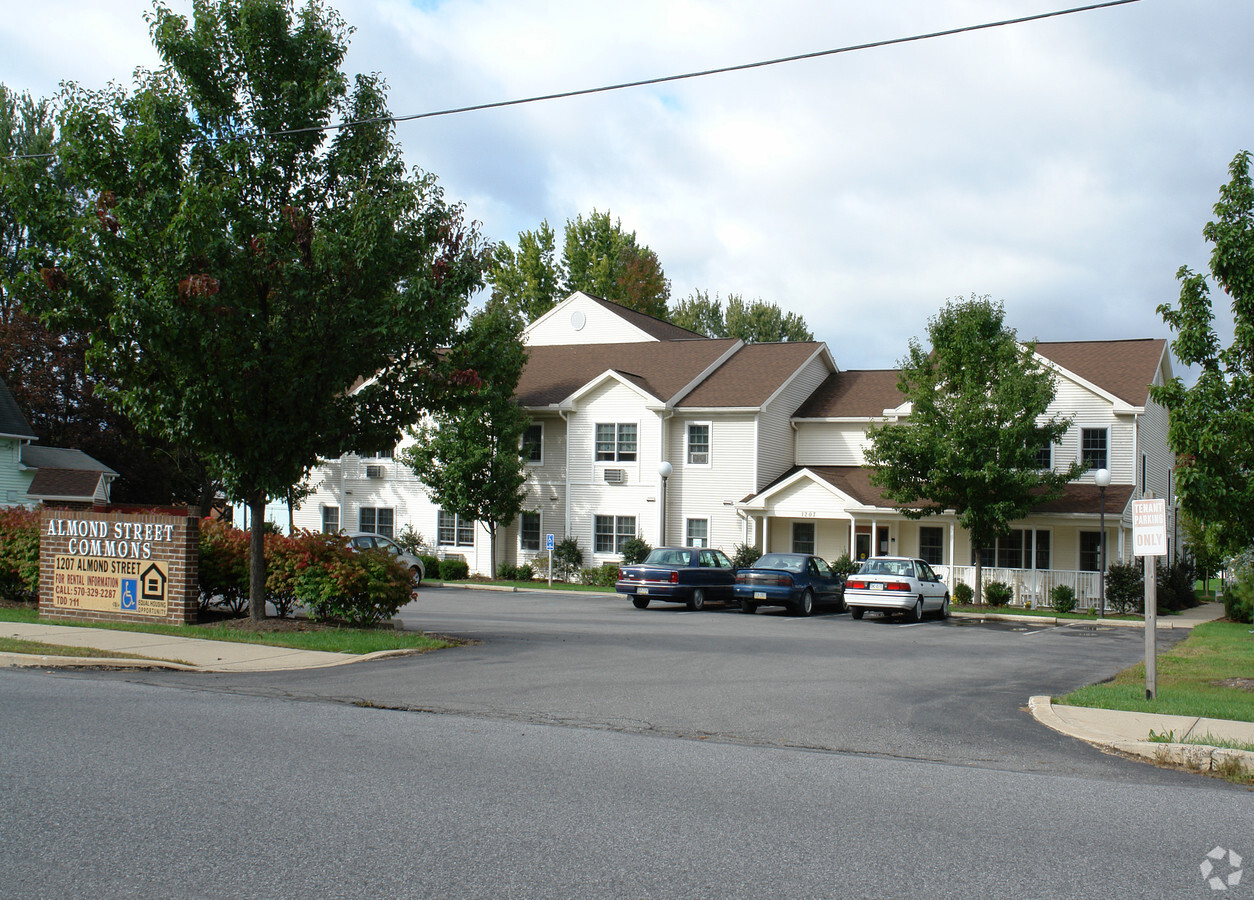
1064,166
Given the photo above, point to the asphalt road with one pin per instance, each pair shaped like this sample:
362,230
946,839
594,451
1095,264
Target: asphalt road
586,749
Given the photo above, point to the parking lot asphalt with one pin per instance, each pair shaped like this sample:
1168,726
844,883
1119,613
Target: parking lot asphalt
490,620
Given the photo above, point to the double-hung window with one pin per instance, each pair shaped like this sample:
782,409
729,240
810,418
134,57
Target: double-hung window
611,532
699,443
1094,448
698,533
529,531
377,520
533,444
330,519
802,537
616,442
932,545
452,530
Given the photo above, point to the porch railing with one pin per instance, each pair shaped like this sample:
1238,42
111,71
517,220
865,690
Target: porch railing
1033,586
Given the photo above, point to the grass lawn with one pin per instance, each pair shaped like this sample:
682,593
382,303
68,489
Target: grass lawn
328,638
1210,674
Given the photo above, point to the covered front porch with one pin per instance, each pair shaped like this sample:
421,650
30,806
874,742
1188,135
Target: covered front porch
834,511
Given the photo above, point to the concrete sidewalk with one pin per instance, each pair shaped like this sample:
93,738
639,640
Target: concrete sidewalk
167,652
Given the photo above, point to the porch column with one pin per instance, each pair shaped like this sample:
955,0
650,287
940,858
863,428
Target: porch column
766,532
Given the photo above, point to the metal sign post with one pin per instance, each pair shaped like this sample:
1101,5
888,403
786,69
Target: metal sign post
1149,540
548,543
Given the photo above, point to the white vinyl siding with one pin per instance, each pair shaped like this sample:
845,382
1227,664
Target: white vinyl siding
775,451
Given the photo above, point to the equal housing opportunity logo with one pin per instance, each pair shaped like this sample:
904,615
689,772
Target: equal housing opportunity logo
1221,869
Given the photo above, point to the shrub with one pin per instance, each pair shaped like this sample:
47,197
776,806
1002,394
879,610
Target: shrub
539,567
1176,585
997,593
430,565
604,575
844,565
526,573
359,588
283,564
1062,598
506,572
744,556
411,540
222,572
454,568
19,554
1125,586
1239,601
963,593
567,558
635,550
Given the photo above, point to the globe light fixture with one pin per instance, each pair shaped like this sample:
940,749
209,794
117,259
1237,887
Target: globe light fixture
1102,479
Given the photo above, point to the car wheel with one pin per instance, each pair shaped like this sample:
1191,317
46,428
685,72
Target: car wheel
415,574
856,611
944,610
639,602
697,600
916,614
748,607
805,606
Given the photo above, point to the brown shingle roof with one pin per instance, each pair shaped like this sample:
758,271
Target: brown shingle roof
855,481
856,393
663,368
750,377
655,328
64,484
1124,368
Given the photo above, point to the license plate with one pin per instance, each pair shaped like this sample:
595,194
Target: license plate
642,590
876,586
759,595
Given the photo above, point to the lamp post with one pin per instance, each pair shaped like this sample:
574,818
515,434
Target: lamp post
664,469
1102,479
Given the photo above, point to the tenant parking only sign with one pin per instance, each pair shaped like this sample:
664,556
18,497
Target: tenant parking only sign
1149,527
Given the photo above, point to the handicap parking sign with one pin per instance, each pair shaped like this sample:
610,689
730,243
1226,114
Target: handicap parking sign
548,542
130,591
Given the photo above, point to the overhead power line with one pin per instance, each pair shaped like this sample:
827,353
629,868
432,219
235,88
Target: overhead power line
665,79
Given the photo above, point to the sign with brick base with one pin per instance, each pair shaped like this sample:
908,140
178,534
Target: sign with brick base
98,565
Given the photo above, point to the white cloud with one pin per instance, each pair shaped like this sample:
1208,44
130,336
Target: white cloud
1065,166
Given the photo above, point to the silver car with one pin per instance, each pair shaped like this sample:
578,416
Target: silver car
896,584
365,540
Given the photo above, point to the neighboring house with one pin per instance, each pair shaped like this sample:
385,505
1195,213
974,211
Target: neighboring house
765,446
30,475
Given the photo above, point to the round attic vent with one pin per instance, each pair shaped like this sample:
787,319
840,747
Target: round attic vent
577,320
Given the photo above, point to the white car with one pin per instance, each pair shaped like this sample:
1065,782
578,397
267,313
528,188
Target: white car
897,584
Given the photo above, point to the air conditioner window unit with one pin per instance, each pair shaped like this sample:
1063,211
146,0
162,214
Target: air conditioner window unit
374,471
615,476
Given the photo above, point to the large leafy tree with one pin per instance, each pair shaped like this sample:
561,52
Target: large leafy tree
972,440
1211,425
598,257
469,456
753,322
46,368
238,271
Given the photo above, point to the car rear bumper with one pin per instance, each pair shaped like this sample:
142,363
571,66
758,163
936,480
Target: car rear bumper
766,595
880,600
657,590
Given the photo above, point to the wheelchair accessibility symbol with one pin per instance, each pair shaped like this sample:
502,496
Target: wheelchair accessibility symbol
130,593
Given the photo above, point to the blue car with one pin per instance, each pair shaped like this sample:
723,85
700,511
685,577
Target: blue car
688,575
797,581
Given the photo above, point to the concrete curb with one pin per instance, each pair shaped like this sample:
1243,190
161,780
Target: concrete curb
1198,757
1054,620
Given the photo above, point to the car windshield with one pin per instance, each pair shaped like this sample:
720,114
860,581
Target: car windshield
785,561
667,557
902,568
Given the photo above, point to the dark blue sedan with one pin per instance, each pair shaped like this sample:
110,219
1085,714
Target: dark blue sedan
797,581
688,575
